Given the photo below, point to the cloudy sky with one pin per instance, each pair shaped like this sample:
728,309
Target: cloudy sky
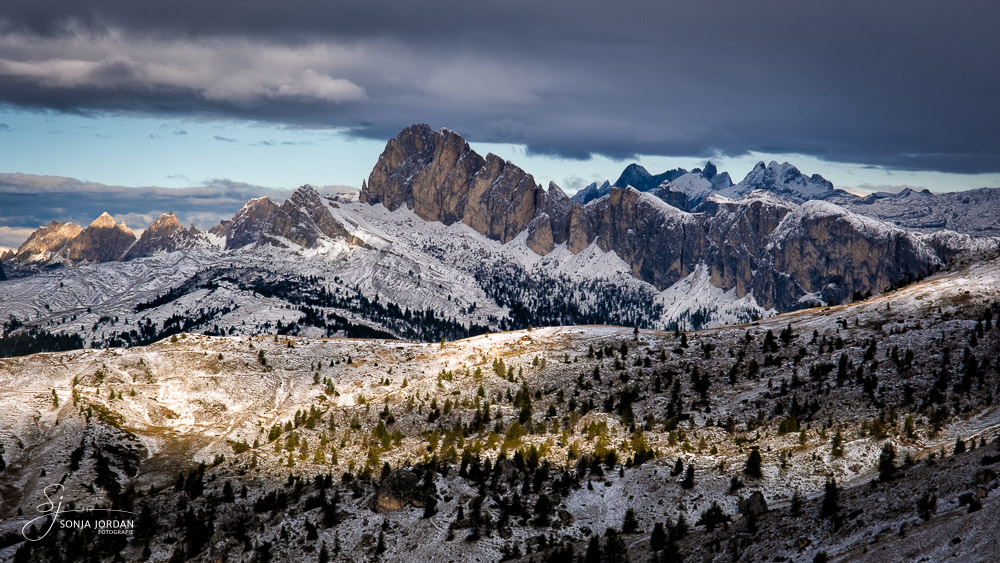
188,92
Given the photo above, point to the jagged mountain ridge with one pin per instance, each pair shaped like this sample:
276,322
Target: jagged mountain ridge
303,220
165,234
473,221
661,243
698,184
784,180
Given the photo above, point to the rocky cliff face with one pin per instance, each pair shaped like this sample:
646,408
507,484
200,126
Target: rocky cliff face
439,177
739,232
674,196
656,239
834,253
102,241
166,234
787,255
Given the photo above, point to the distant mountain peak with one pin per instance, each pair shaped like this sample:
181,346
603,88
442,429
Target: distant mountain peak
783,179
639,178
166,221
104,221
591,192
709,171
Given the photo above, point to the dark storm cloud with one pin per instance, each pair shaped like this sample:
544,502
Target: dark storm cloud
901,84
28,201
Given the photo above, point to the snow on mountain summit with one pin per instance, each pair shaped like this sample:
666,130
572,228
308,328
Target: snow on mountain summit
782,179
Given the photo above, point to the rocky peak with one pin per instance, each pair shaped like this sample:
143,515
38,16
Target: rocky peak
428,171
165,235
102,241
634,175
304,219
248,224
440,177
592,192
104,221
47,242
784,180
639,178
709,171
696,186
165,223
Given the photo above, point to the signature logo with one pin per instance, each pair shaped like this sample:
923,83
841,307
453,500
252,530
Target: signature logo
103,520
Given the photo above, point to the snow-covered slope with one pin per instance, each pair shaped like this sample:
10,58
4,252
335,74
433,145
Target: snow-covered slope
973,212
696,302
701,183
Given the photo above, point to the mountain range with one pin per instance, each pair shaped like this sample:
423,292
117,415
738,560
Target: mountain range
678,249
687,189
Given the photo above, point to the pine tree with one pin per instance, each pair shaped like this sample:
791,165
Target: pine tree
678,468
908,427
615,550
688,482
796,507
752,467
837,444
593,554
886,467
713,518
658,539
630,524
831,500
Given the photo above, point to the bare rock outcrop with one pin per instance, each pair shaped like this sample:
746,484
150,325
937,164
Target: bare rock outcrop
753,506
399,489
440,177
657,240
67,244
102,241
304,219
832,252
248,224
47,242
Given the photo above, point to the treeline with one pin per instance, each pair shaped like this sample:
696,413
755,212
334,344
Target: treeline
538,299
34,341
322,307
